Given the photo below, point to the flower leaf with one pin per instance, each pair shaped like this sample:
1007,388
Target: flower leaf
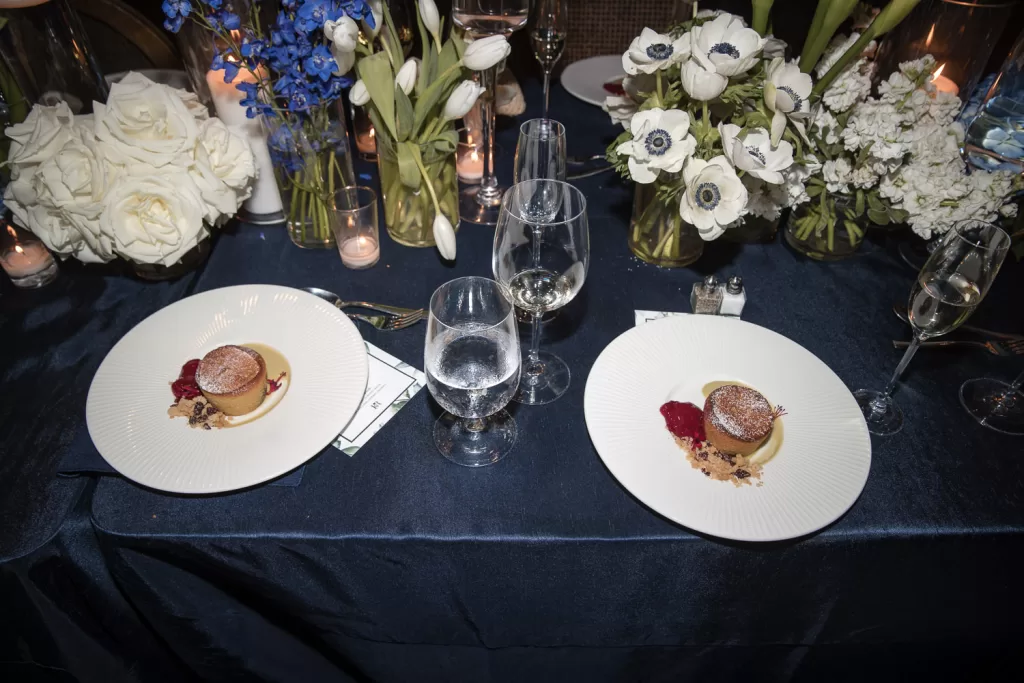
379,79
878,217
403,115
408,166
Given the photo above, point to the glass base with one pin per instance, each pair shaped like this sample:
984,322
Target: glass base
544,381
880,412
38,279
988,402
524,316
471,209
475,443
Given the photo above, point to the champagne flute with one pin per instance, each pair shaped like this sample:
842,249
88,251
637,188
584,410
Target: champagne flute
548,33
951,284
472,362
540,152
995,404
481,203
541,253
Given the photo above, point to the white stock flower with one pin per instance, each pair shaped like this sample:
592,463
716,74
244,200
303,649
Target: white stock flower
147,122
773,47
651,51
852,86
620,109
406,76
486,52
154,218
359,95
714,196
752,151
701,84
725,45
462,100
837,174
431,20
40,135
343,35
661,142
787,92
224,169
444,237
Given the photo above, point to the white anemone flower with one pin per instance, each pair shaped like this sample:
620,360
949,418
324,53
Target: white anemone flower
725,45
620,109
661,142
714,197
651,51
700,83
751,151
787,92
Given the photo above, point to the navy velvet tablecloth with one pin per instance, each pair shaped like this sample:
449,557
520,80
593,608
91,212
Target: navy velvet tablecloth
394,565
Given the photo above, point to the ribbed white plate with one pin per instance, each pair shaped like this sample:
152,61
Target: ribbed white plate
585,79
818,473
127,406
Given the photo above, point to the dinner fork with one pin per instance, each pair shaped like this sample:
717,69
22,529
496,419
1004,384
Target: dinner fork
1012,347
338,302
389,322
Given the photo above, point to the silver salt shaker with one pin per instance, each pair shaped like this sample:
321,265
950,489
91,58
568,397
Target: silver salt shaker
734,298
706,296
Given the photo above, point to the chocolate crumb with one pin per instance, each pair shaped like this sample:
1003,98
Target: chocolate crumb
741,474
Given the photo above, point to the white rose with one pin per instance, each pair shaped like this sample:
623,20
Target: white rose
192,103
224,170
147,122
40,135
154,218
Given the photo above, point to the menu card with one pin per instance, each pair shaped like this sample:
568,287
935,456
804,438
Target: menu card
647,316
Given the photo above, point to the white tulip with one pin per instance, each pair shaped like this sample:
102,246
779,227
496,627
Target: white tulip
661,142
701,84
462,100
444,237
343,35
487,52
359,95
431,19
714,197
377,10
406,76
652,51
751,151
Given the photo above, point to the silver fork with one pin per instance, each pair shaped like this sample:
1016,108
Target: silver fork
389,322
1013,347
338,302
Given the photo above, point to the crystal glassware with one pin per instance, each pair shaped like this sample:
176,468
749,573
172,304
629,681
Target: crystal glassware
355,227
952,283
472,363
995,136
995,404
548,30
540,153
542,253
481,18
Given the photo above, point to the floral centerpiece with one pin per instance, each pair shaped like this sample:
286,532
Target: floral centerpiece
144,177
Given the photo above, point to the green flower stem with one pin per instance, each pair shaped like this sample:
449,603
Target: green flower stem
430,188
657,78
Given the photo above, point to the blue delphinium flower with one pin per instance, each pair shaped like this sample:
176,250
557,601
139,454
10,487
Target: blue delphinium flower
175,11
230,67
321,63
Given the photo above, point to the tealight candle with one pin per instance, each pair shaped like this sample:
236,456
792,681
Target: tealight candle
355,227
944,84
360,252
469,160
26,261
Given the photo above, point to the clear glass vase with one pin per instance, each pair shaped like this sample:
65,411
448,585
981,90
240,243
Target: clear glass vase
658,234
755,230
408,212
311,158
826,231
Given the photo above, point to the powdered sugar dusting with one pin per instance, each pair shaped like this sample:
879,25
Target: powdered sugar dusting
227,369
740,412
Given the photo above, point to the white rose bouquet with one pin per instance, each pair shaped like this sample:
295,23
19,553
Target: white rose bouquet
144,177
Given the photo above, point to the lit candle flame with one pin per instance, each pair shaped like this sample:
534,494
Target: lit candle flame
11,230
931,34
938,72
17,248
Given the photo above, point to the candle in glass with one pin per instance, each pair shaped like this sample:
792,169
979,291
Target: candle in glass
355,227
468,160
26,260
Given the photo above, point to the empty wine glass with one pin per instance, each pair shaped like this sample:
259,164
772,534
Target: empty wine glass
952,283
541,253
995,404
547,33
481,18
540,153
472,361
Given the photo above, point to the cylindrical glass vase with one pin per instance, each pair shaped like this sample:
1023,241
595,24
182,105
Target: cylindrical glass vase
826,233
658,234
408,212
995,136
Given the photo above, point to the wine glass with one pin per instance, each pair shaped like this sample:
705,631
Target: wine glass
547,33
995,404
481,203
540,153
951,284
472,361
541,253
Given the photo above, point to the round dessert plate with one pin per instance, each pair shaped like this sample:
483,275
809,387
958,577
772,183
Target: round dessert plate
127,406
821,466
585,79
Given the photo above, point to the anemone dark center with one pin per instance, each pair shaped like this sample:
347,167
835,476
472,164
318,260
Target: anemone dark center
659,51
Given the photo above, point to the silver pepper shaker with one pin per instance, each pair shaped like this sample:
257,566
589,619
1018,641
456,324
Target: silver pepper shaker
706,297
734,298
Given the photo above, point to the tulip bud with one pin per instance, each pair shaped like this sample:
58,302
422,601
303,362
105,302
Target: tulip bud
486,52
462,100
343,35
444,237
406,77
359,95
431,19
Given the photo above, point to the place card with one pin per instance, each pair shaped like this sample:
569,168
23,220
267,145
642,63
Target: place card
389,386
647,316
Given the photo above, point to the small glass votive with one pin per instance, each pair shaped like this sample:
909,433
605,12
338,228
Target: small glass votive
25,259
469,159
366,136
355,227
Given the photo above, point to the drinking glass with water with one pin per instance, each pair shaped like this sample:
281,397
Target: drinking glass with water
995,137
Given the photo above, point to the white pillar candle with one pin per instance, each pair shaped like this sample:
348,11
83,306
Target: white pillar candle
265,198
359,252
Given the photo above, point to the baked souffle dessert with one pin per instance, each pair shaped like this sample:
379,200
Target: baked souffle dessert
737,419
233,379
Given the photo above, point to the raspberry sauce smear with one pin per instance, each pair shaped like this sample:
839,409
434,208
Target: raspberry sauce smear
684,420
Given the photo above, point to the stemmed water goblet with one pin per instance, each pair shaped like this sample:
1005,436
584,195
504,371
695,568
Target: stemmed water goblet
951,284
548,30
542,253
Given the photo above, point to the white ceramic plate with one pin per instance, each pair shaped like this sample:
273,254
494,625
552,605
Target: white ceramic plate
127,406
585,79
818,472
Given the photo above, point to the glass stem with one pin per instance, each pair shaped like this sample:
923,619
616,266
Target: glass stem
534,356
1015,385
879,403
489,194
547,90
1007,400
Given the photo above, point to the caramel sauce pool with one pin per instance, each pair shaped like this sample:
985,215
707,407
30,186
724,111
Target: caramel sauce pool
772,444
276,364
